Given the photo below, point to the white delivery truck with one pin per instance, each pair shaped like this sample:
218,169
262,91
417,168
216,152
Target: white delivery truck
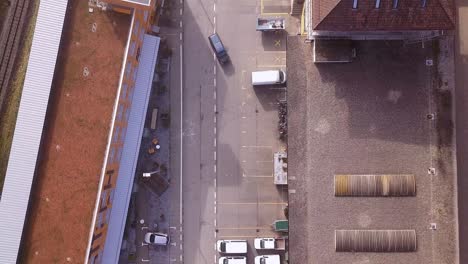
270,243
268,77
268,259
232,246
233,260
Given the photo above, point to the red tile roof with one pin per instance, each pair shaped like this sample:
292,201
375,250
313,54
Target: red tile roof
339,15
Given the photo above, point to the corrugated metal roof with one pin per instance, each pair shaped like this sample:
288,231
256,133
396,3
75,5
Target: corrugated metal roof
29,126
131,149
375,240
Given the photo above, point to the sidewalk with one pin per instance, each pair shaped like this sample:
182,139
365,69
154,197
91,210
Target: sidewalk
157,201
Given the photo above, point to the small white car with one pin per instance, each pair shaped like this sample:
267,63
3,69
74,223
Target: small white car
233,260
267,259
232,246
159,239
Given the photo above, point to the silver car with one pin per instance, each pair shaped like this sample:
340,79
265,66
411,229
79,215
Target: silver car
159,239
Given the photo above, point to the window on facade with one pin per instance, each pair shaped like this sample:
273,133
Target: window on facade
132,48
119,112
395,4
111,155
99,222
123,132
130,96
104,198
142,33
115,136
124,90
377,3
355,2
119,155
424,3
138,54
128,69
127,113
108,214
136,27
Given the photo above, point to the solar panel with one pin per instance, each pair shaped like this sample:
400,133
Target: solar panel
375,240
375,185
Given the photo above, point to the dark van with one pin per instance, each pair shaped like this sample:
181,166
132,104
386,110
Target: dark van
218,48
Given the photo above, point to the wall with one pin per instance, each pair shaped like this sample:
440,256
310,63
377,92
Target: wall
141,24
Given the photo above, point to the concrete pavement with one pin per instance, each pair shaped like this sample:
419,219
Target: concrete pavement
461,78
229,128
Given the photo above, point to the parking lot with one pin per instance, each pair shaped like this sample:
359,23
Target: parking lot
230,128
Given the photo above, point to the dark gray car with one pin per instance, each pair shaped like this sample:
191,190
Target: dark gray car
218,48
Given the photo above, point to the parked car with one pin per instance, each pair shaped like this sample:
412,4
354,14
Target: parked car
270,243
232,246
159,239
268,259
218,48
268,77
233,260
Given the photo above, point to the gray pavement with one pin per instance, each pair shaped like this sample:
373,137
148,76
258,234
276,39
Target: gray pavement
461,69
229,128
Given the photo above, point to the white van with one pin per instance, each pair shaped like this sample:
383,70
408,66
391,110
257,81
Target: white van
232,246
232,260
268,77
267,259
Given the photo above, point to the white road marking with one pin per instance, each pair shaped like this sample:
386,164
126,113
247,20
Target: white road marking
214,69
214,143
180,11
181,145
214,20
180,24
214,155
214,7
214,107
257,146
214,130
244,117
214,168
180,36
243,131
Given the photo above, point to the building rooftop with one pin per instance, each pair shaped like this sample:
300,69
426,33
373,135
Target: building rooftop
375,15
359,119
76,129
29,125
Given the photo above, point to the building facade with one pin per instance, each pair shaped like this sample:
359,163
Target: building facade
144,15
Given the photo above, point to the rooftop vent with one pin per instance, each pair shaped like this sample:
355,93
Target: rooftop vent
375,241
375,185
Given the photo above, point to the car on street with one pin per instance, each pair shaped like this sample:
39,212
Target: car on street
232,246
218,48
270,243
270,77
267,259
159,239
233,260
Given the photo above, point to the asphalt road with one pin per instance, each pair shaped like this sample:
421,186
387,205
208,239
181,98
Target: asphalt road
229,128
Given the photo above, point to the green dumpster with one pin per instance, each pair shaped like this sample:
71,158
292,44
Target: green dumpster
281,225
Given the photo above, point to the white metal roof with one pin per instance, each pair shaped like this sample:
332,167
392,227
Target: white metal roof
131,148
29,126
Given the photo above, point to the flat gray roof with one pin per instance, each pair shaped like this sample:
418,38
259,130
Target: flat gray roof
131,148
29,126
366,117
